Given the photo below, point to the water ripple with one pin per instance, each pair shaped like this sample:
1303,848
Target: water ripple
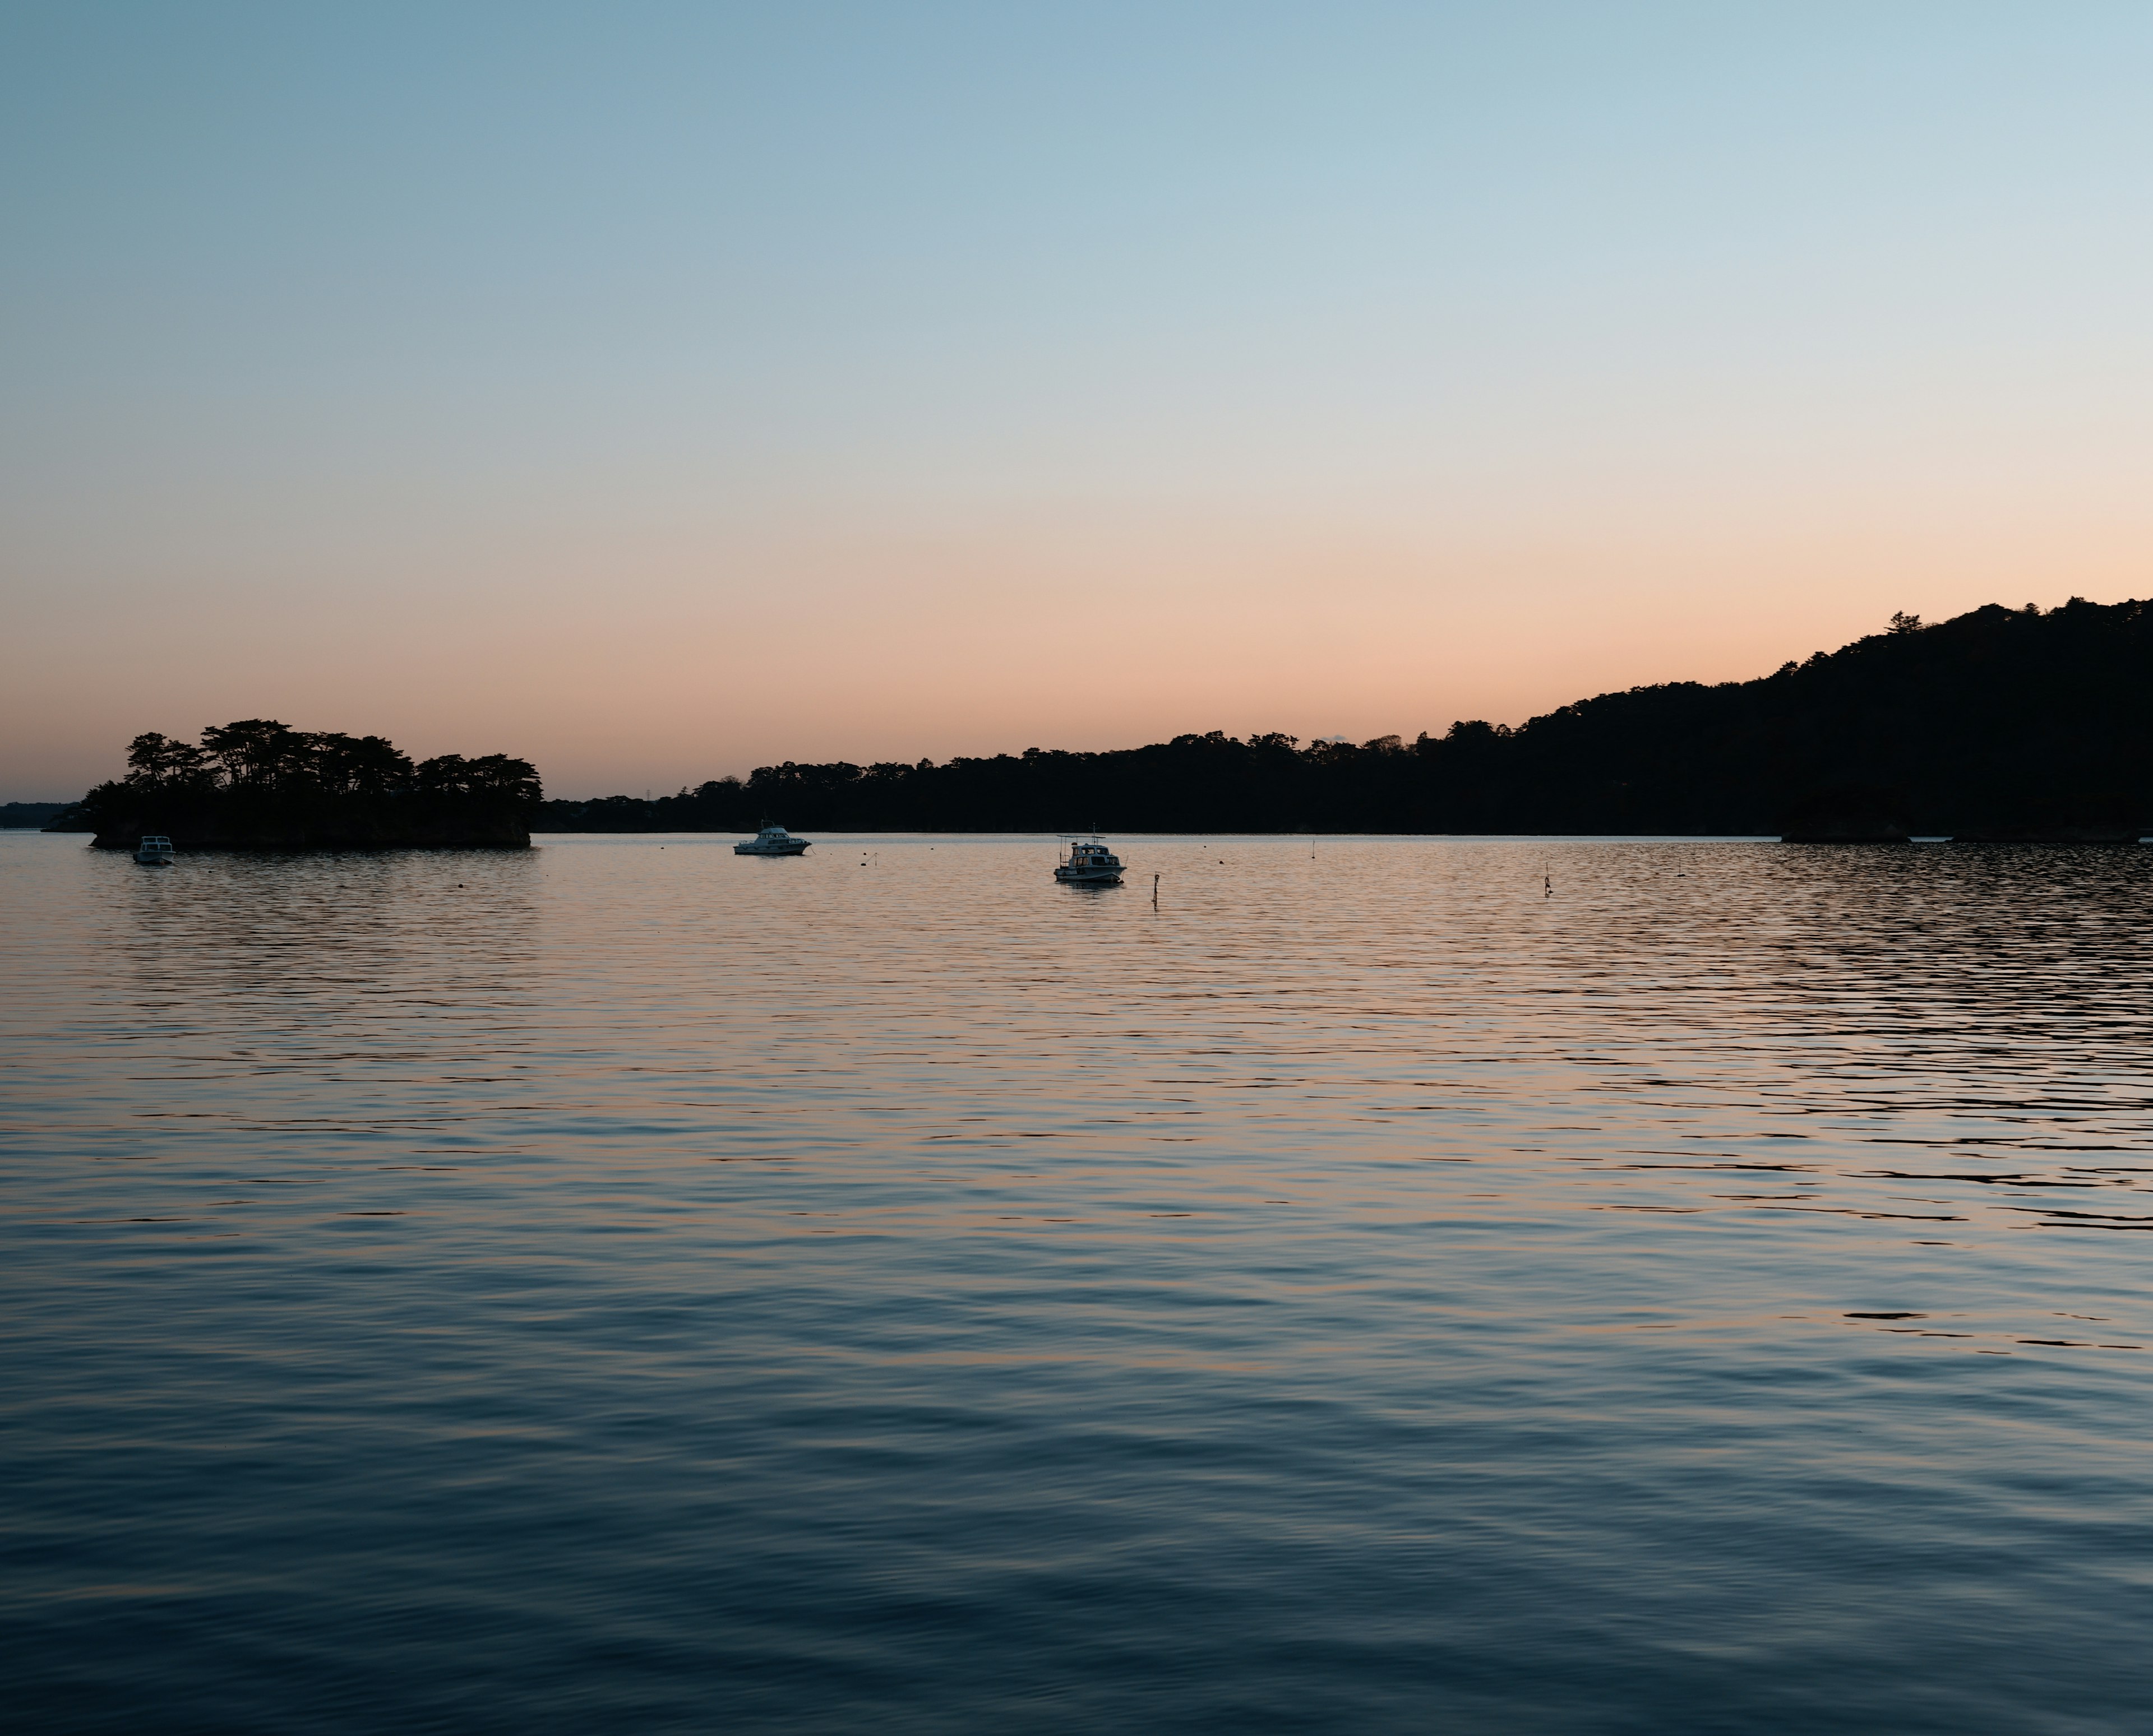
637,1286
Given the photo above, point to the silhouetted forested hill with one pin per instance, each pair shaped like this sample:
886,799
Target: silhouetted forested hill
29,816
2000,723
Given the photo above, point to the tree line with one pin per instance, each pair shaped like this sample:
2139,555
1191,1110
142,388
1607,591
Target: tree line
1999,723
259,782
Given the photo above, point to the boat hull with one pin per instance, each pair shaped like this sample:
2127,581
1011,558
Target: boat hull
1089,877
770,850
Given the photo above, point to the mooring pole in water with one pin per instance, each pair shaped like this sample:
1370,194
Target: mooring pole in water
1154,891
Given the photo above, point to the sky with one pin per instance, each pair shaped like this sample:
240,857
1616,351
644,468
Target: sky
655,391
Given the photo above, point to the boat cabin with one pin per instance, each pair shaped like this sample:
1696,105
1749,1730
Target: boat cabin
1090,862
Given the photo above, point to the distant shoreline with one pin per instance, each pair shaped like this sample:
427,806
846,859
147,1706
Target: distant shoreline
2002,724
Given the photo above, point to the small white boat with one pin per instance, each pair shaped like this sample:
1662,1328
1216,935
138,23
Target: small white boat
772,840
154,850
1089,863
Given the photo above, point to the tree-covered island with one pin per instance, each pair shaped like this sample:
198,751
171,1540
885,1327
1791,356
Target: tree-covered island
259,784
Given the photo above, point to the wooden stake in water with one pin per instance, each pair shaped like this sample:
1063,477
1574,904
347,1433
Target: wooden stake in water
1154,891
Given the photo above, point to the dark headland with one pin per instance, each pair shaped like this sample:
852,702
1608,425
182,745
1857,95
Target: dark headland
2003,724
259,784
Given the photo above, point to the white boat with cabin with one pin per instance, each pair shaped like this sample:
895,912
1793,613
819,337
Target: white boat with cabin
772,840
154,850
1089,863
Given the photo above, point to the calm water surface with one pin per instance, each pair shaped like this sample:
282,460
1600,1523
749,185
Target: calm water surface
626,1285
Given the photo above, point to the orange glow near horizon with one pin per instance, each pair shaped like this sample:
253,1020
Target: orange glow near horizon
684,392
917,645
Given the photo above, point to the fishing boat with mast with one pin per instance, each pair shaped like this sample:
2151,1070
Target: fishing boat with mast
1089,863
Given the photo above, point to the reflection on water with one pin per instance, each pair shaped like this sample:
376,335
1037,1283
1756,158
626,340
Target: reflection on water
626,1285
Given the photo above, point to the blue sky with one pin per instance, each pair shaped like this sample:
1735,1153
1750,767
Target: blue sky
598,383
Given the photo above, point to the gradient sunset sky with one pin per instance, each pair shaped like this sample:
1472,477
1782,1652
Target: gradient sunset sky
656,390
